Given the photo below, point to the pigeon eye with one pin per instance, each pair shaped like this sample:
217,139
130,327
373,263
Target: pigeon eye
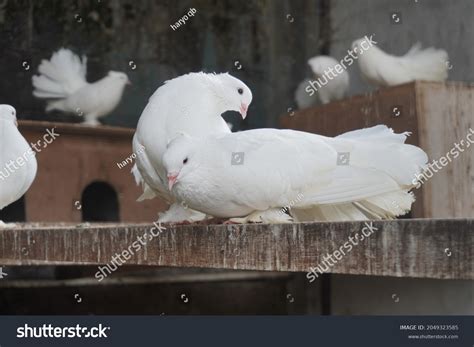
185,161
240,90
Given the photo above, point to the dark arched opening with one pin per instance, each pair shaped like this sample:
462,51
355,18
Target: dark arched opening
15,212
100,203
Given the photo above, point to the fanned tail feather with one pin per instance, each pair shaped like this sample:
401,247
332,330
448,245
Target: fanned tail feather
428,64
60,76
376,133
384,206
375,185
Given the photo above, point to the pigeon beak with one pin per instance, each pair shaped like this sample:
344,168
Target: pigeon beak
172,179
243,110
16,123
129,83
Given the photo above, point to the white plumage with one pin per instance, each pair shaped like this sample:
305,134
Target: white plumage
337,82
383,69
328,84
17,160
302,98
62,81
191,103
298,171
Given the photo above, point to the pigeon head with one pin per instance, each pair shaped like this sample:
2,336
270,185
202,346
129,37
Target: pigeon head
233,94
363,45
179,158
120,77
8,113
356,48
321,63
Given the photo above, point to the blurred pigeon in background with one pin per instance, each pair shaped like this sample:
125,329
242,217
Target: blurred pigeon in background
62,81
360,175
302,98
17,160
191,103
329,84
383,69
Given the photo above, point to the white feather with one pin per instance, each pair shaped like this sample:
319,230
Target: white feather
290,168
381,68
63,75
15,179
302,98
337,83
191,103
62,81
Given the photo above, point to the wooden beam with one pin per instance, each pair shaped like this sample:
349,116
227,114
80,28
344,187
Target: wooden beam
77,129
425,248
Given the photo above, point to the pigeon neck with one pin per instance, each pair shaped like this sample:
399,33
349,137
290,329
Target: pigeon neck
6,119
210,104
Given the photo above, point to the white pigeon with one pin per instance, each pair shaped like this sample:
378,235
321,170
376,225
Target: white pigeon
193,104
302,98
328,84
258,175
383,69
17,160
62,81
334,82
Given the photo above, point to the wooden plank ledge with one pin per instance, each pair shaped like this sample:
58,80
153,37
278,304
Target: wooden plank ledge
77,129
423,248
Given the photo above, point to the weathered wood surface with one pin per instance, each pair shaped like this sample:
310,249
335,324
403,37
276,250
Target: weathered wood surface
403,248
77,129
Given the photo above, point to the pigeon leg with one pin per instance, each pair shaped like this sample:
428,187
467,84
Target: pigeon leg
254,217
272,215
179,213
234,221
91,119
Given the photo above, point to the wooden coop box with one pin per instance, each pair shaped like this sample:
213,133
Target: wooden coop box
79,177
439,116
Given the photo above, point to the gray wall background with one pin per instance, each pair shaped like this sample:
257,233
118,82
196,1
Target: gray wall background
439,23
258,35
270,39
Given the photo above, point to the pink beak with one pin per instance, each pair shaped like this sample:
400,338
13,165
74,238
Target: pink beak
172,178
16,123
243,110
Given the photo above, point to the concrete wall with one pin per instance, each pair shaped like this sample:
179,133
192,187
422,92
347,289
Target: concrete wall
269,40
439,23
265,43
363,295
